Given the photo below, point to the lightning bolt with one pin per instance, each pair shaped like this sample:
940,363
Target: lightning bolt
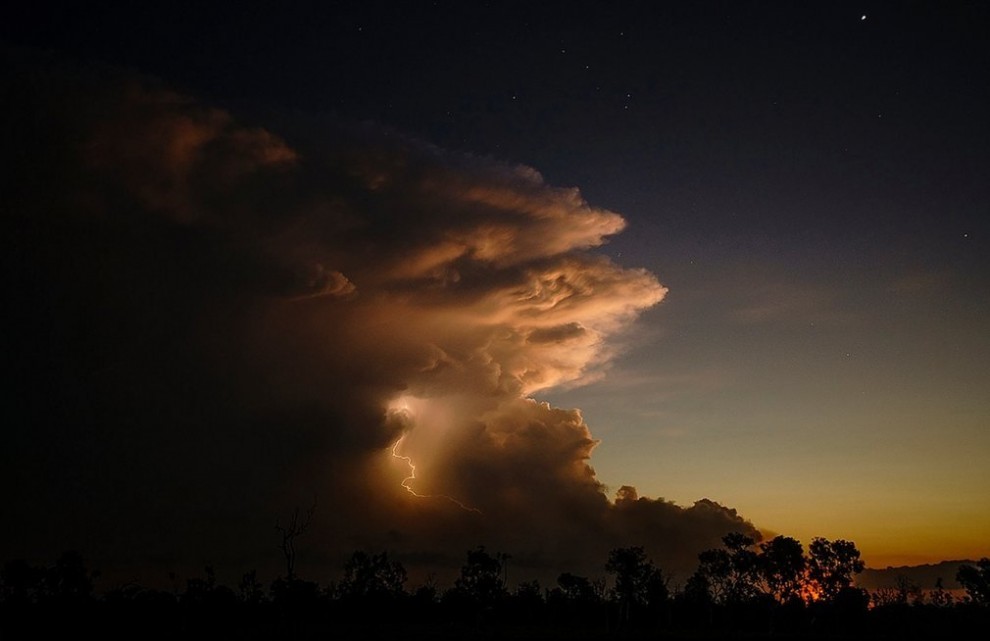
407,482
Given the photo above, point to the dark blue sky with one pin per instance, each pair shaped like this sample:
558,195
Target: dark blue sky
762,119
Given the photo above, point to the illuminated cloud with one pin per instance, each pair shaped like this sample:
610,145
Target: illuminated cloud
217,324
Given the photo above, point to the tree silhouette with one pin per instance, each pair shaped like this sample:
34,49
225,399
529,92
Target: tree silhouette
68,580
976,580
372,576
59,601
578,601
782,565
527,603
297,526
250,590
578,588
481,580
696,600
832,565
21,581
940,597
637,581
731,573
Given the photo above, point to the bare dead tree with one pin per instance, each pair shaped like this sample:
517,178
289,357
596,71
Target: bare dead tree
297,526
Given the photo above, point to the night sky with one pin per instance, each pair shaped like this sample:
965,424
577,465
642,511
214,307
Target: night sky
256,257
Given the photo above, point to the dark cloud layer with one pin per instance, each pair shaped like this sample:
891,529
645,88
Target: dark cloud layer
206,326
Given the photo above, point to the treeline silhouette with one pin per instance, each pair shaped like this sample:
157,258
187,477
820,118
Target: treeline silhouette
771,590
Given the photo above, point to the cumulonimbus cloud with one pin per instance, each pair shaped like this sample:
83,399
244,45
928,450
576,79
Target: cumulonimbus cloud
214,324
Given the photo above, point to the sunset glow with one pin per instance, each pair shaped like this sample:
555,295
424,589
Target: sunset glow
810,591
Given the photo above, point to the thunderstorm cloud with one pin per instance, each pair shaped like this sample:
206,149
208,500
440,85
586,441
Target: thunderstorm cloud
208,324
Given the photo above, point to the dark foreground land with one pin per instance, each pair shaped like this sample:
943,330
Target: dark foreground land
728,598
303,611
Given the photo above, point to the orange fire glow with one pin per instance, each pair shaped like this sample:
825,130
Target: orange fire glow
810,591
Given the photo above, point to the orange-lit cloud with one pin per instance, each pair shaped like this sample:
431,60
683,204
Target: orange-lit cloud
217,324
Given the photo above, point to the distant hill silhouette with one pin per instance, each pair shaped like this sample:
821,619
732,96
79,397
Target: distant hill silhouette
923,576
